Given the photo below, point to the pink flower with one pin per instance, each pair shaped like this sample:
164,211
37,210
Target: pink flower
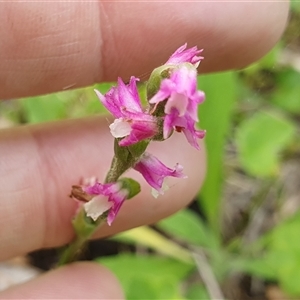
106,197
154,171
181,108
183,55
131,124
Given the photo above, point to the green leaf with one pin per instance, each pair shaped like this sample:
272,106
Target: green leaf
62,105
281,259
152,239
287,93
260,139
215,116
42,109
284,254
103,87
91,103
189,227
197,292
87,102
260,267
286,235
295,5
147,277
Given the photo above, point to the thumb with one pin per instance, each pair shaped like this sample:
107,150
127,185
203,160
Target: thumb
75,281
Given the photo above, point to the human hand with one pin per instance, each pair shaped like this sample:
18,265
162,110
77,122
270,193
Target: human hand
46,47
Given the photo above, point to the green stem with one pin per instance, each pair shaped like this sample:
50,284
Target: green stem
72,251
116,170
84,229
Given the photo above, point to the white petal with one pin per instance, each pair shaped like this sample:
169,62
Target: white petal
89,181
120,128
155,193
97,206
178,101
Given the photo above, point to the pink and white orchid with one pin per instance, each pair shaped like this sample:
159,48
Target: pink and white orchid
182,99
154,171
132,124
107,197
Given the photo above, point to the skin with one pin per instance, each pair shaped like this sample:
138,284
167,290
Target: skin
49,47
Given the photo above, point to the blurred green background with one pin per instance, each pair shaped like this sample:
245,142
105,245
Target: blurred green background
241,237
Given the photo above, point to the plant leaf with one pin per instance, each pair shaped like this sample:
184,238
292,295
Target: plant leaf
150,238
189,227
215,116
259,140
287,93
147,277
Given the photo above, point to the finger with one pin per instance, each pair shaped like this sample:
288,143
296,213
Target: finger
43,161
76,281
47,47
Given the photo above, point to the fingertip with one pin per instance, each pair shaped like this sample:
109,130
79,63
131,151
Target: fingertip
83,280
73,45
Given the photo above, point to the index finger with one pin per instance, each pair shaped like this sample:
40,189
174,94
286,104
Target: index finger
48,47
